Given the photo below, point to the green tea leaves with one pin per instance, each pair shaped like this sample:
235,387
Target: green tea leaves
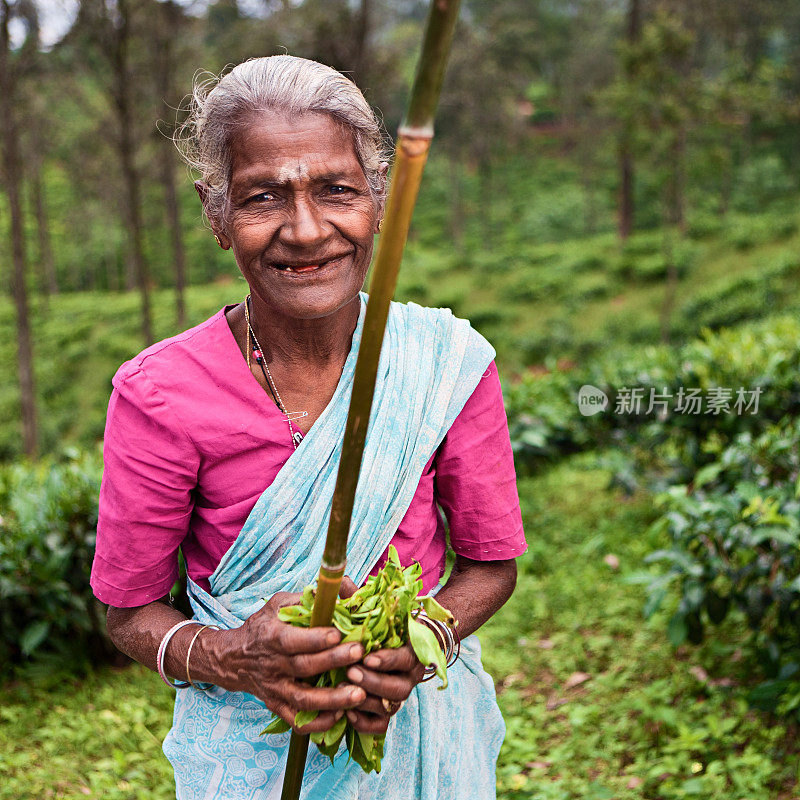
378,615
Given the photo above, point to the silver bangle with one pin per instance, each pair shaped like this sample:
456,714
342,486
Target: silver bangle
162,649
448,640
200,684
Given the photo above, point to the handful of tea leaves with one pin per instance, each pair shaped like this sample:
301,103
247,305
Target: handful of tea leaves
380,614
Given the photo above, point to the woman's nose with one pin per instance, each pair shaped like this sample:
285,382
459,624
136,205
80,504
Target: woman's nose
305,225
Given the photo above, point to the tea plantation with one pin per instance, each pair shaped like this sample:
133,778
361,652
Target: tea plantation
651,649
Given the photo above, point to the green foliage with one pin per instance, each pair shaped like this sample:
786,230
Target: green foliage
545,422
597,702
735,544
762,180
542,419
96,736
646,722
534,300
738,298
760,357
48,519
382,613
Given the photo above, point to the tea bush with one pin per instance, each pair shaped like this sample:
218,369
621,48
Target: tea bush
763,357
734,535
742,297
728,478
48,520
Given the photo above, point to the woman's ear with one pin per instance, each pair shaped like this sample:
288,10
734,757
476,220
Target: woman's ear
219,234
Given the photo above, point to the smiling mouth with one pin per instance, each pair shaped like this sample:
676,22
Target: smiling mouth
302,268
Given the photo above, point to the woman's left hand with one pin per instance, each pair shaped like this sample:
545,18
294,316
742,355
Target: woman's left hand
388,677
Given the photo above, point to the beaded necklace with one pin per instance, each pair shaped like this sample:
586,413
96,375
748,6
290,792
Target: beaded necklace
258,354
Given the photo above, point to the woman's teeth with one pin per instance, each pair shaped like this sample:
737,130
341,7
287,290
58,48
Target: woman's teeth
303,268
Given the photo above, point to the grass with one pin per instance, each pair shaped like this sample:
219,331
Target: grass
598,705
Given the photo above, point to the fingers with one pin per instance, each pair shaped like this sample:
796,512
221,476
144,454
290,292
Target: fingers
302,697
281,599
291,640
401,659
379,705
323,722
306,665
368,723
347,587
392,686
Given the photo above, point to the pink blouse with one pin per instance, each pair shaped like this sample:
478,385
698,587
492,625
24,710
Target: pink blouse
192,440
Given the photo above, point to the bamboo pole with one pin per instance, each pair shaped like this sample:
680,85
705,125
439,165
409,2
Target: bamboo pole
411,151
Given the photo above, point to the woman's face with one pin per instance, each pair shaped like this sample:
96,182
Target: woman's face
300,216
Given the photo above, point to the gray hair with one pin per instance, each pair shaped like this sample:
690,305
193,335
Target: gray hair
219,107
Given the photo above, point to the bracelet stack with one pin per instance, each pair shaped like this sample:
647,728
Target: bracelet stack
162,649
448,639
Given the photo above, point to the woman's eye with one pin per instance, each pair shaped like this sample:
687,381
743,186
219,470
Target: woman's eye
337,189
263,197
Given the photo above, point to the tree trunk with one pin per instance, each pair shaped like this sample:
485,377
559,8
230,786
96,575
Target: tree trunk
176,234
48,281
164,67
11,165
130,174
360,34
626,209
671,288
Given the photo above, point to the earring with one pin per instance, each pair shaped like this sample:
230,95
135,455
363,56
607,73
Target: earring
380,222
218,240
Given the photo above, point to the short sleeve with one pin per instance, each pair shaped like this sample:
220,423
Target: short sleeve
150,471
476,483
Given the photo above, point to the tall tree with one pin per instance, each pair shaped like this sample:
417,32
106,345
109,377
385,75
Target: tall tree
12,177
109,25
626,212
47,270
166,35
32,145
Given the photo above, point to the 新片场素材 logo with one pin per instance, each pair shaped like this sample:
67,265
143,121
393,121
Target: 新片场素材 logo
591,400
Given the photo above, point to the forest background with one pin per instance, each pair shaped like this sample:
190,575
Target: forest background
612,200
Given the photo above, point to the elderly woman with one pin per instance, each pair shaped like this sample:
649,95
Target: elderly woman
224,441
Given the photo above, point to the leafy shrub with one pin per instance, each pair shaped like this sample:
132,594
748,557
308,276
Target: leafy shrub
760,181
745,232
742,297
593,286
549,285
654,266
734,537
703,225
760,357
48,519
763,358
543,422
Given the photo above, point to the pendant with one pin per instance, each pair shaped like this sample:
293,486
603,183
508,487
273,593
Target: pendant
297,437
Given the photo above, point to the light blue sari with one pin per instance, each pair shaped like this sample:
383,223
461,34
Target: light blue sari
441,745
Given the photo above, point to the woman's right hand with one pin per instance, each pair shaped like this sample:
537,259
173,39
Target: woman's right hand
271,660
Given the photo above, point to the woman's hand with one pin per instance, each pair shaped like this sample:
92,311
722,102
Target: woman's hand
388,676
272,660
